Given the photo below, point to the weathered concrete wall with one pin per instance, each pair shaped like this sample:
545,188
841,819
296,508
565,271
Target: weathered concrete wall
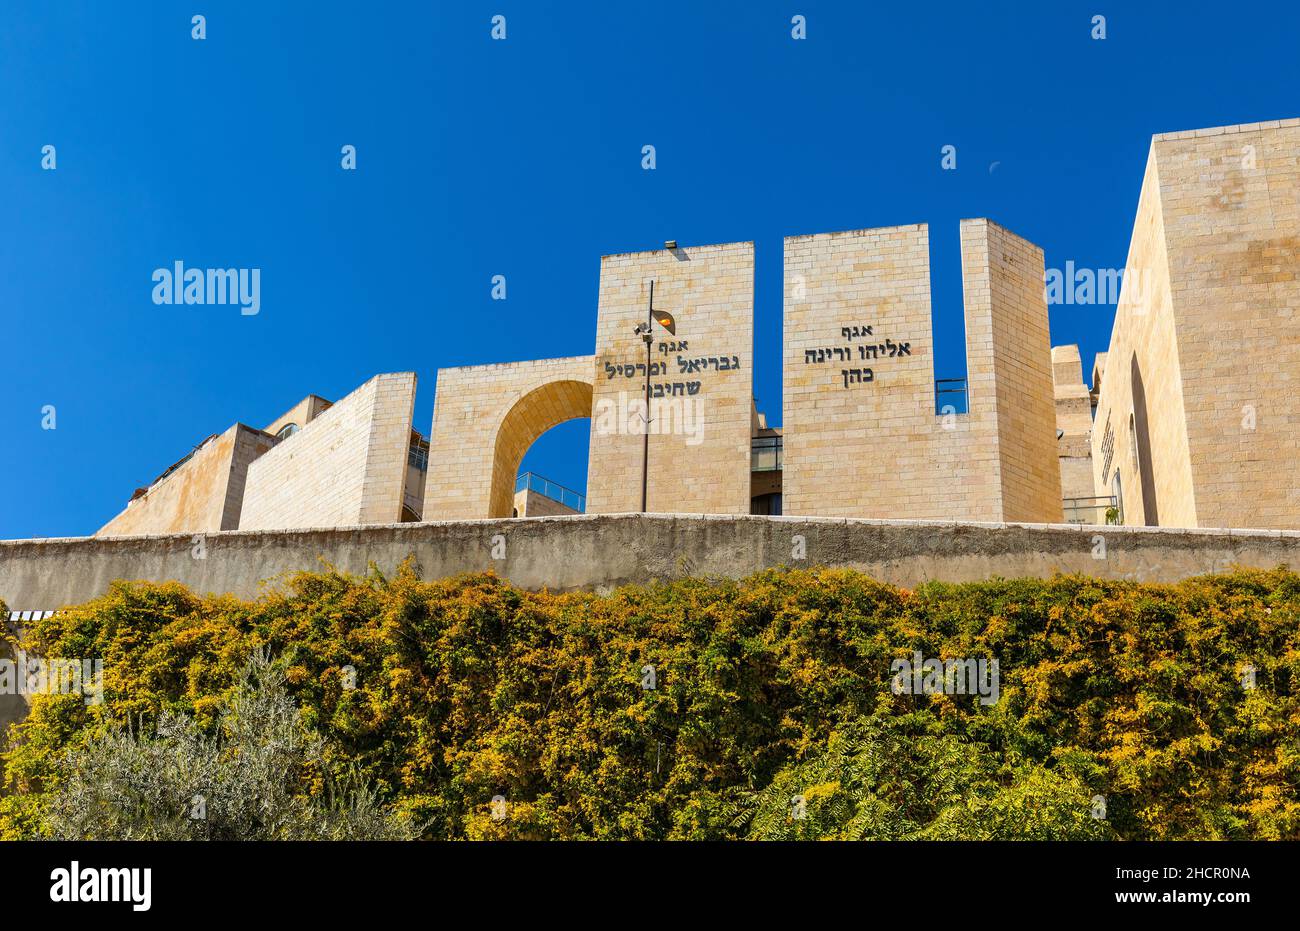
599,551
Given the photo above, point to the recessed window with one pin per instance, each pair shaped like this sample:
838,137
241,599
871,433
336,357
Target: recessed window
287,431
1133,444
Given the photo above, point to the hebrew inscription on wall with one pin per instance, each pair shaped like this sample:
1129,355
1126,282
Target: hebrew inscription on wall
865,351
685,366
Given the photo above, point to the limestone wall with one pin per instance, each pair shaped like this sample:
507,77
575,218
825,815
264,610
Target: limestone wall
484,419
608,550
1074,424
203,495
347,466
702,381
1144,350
1016,311
1231,210
862,436
1198,410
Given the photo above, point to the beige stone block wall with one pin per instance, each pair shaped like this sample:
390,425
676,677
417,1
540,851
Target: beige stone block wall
1074,424
202,495
1231,210
1143,340
1021,361
250,444
872,445
529,503
702,382
484,419
346,467
301,414
1207,332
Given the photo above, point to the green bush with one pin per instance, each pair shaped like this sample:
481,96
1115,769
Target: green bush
446,694
250,780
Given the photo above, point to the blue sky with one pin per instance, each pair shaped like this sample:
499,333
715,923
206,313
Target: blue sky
522,157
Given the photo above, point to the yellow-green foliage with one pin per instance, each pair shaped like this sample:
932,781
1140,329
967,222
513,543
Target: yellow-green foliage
769,688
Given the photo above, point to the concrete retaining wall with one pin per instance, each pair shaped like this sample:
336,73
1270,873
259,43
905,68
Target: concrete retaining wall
603,551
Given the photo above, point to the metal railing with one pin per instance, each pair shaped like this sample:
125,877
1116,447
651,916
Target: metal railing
766,453
1088,510
950,392
553,490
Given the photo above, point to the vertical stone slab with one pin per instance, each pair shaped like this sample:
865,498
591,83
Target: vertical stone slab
702,382
1230,202
858,383
345,467
1011,269
863,437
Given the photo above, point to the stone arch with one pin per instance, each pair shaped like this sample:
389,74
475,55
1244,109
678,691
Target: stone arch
484,419
548,405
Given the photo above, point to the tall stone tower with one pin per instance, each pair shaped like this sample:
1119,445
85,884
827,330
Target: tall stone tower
863,434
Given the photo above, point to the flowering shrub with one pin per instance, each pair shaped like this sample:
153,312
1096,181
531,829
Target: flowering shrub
719,709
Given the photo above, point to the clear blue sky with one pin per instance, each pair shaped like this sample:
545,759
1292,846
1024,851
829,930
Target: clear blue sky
522,157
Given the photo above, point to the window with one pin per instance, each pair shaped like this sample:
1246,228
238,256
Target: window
287,431
1133,446
766,504
1118,492
765,453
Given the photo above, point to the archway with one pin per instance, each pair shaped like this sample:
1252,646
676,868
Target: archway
484,419
1140,435
542,408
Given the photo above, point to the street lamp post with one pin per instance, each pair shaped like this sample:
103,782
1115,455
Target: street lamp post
646,332
647,335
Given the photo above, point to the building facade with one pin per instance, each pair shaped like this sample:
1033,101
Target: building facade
864,433
1192,416
1198,395
320,464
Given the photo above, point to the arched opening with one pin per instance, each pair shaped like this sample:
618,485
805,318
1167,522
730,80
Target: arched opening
527,419
552,477
1141,438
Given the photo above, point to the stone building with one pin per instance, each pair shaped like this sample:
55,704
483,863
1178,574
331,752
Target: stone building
864,436
319,464
1074,403
1198,395
1192,417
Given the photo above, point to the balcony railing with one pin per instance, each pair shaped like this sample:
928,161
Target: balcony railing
556,492
766,453
950,393
1088,510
